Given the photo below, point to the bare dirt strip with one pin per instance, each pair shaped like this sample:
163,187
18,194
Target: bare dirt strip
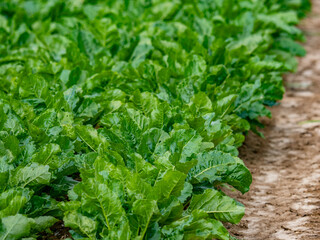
284,200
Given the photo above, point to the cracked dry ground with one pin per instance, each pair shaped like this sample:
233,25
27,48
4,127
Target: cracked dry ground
284,199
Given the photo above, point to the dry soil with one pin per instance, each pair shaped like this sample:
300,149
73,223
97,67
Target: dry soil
284,199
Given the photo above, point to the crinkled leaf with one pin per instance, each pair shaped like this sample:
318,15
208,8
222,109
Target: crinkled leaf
217,166
222,207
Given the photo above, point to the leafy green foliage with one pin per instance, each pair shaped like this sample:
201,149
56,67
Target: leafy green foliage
123,118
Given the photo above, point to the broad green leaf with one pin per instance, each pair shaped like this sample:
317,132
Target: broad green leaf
15,227
150,141
81,223
12,201
9,148
30,175
44,222
221,207
91,137
221,167
145,169
197,225
46,153
143,211
98,199
125,116
200,104
41,205
186,192
224,105
183,144
171,209
171,184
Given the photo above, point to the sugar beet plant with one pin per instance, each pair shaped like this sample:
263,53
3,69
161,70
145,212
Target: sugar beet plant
122,118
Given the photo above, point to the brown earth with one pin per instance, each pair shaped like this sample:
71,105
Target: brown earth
284,199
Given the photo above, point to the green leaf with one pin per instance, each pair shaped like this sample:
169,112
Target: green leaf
125,116
12,201
15,227
150,141
186,192
204,229
171,184
143,211
287,44
151,107
224,105
91,137
216,166
99,199
46,153
9,148
183,144
81,223
43,223
197,225
30,175
41,205
221,207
